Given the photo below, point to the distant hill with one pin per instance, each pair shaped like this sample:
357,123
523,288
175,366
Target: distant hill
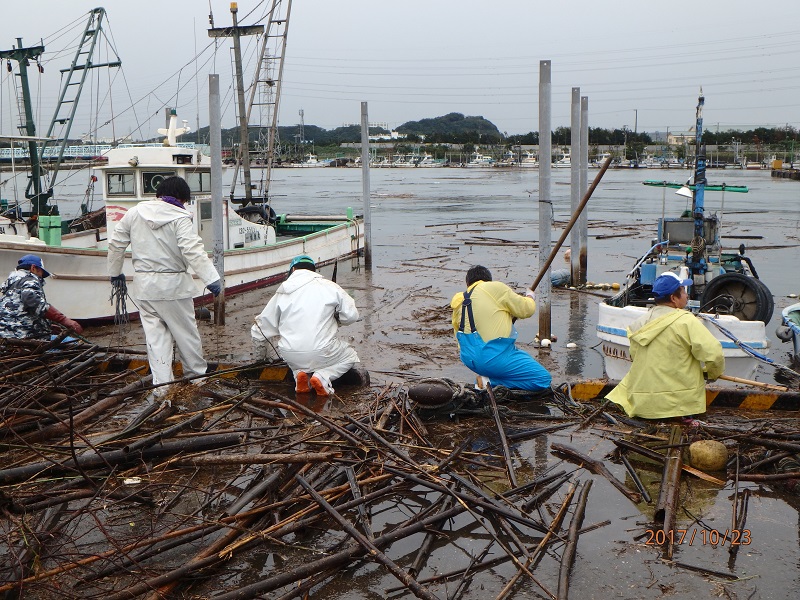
453,127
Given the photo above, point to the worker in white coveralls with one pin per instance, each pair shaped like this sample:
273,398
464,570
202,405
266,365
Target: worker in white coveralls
303,317
164,244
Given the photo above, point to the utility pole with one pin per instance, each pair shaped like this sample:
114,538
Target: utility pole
236,32
545,199
576,151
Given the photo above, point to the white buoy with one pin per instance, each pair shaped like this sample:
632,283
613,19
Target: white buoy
572,345
545,343
792,295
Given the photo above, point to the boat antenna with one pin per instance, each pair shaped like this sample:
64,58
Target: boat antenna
697,265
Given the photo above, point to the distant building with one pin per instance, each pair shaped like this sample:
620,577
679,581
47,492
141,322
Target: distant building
681,138
392,135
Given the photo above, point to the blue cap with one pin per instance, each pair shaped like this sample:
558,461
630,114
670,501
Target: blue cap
303,258
31,260
667,284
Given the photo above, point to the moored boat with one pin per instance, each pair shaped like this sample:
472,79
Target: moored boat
509,159
727,294
310,161
258,244
564,160
427,161
528,160
478,160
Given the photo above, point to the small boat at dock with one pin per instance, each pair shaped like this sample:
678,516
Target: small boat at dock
727,294
478,160
258,244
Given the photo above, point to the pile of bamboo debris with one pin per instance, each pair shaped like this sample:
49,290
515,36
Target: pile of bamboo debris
103,495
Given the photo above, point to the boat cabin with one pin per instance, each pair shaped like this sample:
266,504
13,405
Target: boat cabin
133,174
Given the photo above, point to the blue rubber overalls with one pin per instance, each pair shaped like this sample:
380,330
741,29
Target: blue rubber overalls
498,359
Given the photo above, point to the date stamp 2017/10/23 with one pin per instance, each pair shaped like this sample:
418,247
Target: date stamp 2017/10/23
705,537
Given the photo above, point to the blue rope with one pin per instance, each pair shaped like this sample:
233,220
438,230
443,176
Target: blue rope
744,347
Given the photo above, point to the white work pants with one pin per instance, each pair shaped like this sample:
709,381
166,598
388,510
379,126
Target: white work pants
165,322
328,364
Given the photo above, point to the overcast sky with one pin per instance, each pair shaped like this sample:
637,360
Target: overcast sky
641,64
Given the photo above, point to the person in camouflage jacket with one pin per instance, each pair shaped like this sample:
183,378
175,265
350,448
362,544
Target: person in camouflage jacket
24,310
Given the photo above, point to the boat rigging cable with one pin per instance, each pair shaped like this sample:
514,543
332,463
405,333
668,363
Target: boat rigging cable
744,347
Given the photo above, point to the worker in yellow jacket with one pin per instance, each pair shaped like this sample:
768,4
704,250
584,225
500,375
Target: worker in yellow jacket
669,347
483,323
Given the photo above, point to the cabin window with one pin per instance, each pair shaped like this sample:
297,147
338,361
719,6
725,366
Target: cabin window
120,184
205,210
151,181
199,181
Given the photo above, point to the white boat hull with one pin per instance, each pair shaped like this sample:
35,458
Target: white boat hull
612,327
79,286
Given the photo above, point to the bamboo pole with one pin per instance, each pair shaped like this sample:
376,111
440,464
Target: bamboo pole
571,547
766,386
596,467
554,252
512,478
667,503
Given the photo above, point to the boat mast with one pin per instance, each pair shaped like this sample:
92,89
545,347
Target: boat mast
269,79
73,81
244,146
74,78
22,55
697,265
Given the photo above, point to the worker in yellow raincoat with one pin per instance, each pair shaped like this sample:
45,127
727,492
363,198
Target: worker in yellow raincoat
669,347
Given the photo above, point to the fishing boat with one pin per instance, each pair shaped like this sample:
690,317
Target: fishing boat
597,162
311,161
478,160
789,330
258,244
428,162
528,160
727,294
405,161
509,160
564,160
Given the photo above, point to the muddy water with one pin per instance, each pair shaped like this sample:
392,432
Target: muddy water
429,226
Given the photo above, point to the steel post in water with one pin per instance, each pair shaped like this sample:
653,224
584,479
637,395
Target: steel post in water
545,202
574,186
217,217
583,220
365,191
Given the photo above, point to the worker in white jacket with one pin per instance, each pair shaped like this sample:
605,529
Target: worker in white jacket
164,244
303,317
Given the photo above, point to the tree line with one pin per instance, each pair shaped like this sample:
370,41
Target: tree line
456,128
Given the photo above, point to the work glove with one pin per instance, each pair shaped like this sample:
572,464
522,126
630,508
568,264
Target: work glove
215,287
118,278
57,316
531,294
